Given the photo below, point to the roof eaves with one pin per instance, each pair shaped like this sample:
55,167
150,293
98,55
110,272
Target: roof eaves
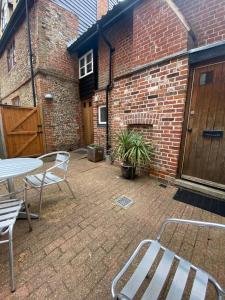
17,17
103,23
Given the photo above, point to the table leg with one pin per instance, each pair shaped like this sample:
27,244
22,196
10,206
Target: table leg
11,186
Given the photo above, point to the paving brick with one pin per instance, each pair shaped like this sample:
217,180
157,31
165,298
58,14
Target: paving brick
48,249
82,266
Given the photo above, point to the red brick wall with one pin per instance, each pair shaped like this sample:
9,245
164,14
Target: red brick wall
156,32
99,131
103,64
120,37
152,100
161,105
56,72
16,82
61,115
155,99
56,27
206,17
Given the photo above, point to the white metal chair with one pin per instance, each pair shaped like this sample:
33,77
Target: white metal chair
9,211
166,261
4,182
49,176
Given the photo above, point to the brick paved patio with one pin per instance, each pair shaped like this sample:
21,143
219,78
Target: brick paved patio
79,245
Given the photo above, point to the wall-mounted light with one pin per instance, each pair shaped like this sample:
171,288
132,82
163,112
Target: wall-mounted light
48,97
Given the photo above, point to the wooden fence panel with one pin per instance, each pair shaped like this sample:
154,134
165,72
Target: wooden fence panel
22,131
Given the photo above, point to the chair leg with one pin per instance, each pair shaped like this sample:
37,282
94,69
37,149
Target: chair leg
70,188
40,202
27,209
59,187
11,260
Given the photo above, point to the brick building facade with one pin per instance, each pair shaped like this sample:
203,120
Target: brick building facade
154,46
152,43
53,24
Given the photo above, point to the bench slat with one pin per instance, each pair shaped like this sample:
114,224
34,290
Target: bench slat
198,291
179,281
154,289
141,271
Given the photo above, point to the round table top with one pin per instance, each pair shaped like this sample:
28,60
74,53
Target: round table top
13,167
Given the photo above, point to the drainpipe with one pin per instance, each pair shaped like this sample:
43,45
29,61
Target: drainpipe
30,55
108,88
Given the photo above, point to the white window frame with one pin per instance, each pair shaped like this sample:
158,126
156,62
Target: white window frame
99,115
4,16
11,51
85,64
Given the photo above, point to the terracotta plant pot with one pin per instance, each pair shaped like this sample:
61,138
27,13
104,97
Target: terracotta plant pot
95,153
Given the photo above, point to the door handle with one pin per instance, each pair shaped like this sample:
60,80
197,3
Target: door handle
189,129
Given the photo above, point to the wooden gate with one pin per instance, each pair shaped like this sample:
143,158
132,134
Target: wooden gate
22,131
204,156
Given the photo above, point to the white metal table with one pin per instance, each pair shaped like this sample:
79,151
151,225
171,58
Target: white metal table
13,167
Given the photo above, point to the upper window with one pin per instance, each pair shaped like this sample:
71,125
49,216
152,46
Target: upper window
11,55
206,78
86,64
102,115
4,17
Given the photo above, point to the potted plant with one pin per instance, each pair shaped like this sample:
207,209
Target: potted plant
95,153
133,151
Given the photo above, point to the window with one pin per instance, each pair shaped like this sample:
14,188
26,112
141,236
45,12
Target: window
102,115
4,17
206,78
86,64
11,55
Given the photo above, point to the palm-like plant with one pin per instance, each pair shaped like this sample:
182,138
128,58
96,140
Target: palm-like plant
140,151
132,149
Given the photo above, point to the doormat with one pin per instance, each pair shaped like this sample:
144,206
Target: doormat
124,202
210,204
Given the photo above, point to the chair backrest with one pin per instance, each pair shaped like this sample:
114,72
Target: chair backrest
62,160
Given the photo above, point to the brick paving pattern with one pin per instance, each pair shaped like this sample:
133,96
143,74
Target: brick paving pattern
79,244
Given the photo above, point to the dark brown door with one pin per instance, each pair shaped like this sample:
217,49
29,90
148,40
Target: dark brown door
88,131
204,155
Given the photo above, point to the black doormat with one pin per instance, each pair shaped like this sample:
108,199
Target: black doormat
210,204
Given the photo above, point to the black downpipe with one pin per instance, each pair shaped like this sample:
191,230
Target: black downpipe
108,89
30,55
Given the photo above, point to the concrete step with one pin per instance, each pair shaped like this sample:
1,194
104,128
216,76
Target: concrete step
201,189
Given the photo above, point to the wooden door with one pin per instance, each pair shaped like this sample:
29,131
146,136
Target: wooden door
22,131
204,155
88,131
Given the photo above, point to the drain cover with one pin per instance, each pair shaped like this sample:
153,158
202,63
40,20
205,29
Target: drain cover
124,202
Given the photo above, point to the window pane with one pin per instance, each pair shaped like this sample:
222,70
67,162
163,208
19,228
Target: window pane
89,68
82,62
82,71
206,78
89,58
103,114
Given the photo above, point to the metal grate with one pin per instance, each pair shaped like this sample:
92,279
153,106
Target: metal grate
124,202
